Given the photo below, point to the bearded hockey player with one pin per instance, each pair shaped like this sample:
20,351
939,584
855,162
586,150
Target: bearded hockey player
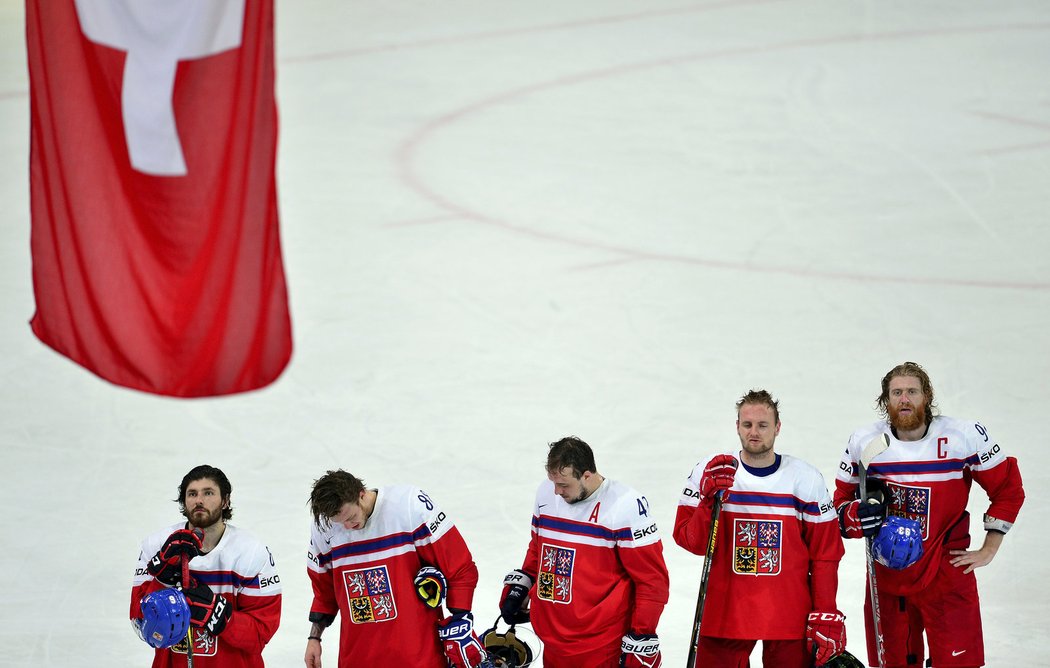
925,475
594,580
233,593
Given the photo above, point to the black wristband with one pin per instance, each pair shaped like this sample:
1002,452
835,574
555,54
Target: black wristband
317,638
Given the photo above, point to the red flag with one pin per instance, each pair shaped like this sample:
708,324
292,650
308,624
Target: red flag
156,252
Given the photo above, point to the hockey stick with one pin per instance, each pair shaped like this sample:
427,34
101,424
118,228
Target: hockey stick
189,631
873,449
701,597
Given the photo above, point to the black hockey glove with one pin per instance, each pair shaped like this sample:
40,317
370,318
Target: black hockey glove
514,603
208,610
166,564
858,518
430,586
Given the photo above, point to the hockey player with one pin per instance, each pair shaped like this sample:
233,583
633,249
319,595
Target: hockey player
234,593
385,560
774,572
927,471
594,579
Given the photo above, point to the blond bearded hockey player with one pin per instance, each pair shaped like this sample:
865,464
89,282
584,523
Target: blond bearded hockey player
385,560
234,593
594,580
924,476
774,571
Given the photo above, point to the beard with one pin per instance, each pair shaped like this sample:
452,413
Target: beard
579,497
909,422
204,518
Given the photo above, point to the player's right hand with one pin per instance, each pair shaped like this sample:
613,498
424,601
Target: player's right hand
718,476
514,602
431,586
166,564
862,519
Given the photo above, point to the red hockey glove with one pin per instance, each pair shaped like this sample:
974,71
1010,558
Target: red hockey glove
430,586
640,650
461,644
166,564
208,610
718,476
514,602
826,633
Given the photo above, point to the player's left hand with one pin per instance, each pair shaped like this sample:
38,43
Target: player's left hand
972,559
640,650
208,610
826,634
461,644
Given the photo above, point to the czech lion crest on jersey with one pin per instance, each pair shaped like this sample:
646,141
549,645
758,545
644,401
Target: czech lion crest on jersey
756,546
555,578
369,594
204,644
911,502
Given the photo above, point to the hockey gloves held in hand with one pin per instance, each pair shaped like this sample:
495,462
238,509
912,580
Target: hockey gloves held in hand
430,586
166,564
826,634
718,477
862,518
461,644
640,650
514,602
208,610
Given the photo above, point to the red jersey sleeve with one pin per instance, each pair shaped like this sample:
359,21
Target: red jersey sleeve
450,555
646,568
691,528
254,621
1005,490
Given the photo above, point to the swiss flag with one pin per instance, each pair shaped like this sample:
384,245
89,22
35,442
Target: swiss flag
156,251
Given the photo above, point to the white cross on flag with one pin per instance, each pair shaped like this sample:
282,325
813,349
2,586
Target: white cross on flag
156,252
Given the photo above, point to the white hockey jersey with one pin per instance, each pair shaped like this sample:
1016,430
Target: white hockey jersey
242,570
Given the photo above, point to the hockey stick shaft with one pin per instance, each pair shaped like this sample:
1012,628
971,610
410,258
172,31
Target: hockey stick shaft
876,447
873,591
705,574
189,631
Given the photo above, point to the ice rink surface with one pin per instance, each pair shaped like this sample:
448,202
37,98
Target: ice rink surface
507,222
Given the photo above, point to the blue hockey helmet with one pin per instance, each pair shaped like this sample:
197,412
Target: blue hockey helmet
898,543
165,618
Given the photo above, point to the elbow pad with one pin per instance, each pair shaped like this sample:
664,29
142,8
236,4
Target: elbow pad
996,525
322,619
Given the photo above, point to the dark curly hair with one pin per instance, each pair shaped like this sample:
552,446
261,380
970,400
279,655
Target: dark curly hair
215,475
571,452
331,492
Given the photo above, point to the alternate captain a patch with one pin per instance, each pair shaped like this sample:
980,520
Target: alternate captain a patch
369,595
911,502
555,579
756,546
